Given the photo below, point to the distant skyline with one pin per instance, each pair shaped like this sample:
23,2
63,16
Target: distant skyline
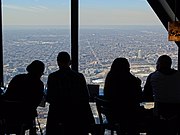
91,12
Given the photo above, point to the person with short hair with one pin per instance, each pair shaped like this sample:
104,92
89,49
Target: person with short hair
67,93
163,88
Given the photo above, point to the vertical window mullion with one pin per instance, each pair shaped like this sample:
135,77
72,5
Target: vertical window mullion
74,34
1,51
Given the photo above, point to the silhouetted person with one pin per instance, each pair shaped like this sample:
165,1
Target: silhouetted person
123,90
1,91
23,95
163,87
69,110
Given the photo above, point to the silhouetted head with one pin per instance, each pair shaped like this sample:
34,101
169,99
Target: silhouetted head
163,62
63,59
36,68
120,65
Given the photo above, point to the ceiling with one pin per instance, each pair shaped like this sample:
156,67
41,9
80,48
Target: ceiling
166,10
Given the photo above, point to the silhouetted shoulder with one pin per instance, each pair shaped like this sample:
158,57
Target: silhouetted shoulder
20,76
135,79
79,74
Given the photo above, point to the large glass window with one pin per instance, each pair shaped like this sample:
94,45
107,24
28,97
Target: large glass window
34,29
39,29
120,28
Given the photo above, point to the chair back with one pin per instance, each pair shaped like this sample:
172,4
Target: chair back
93,91
105,115
103,108
14,118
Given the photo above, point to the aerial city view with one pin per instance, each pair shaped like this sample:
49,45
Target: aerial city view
39,30
98,48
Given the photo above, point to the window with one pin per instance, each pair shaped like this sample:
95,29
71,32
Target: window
111,29
34,29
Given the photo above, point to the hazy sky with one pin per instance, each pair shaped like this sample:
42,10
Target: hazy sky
92,12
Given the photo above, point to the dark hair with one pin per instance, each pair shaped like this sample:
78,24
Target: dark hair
36,67
120,64
63,57
164,61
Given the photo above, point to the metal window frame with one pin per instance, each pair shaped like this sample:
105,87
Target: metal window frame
1,51
74,34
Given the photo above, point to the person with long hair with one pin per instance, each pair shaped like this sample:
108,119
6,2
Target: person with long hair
123,90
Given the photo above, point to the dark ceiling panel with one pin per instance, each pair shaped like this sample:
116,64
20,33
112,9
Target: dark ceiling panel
166,10
160,12
174,6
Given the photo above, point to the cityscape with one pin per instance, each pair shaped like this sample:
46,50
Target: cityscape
98,47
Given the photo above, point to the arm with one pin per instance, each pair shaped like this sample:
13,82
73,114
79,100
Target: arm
139,91
50,88
148,91
40,94
107,85
84,87
86,100
11,89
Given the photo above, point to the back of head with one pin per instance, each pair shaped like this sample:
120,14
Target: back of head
63,59
36,67
164,62
120,65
